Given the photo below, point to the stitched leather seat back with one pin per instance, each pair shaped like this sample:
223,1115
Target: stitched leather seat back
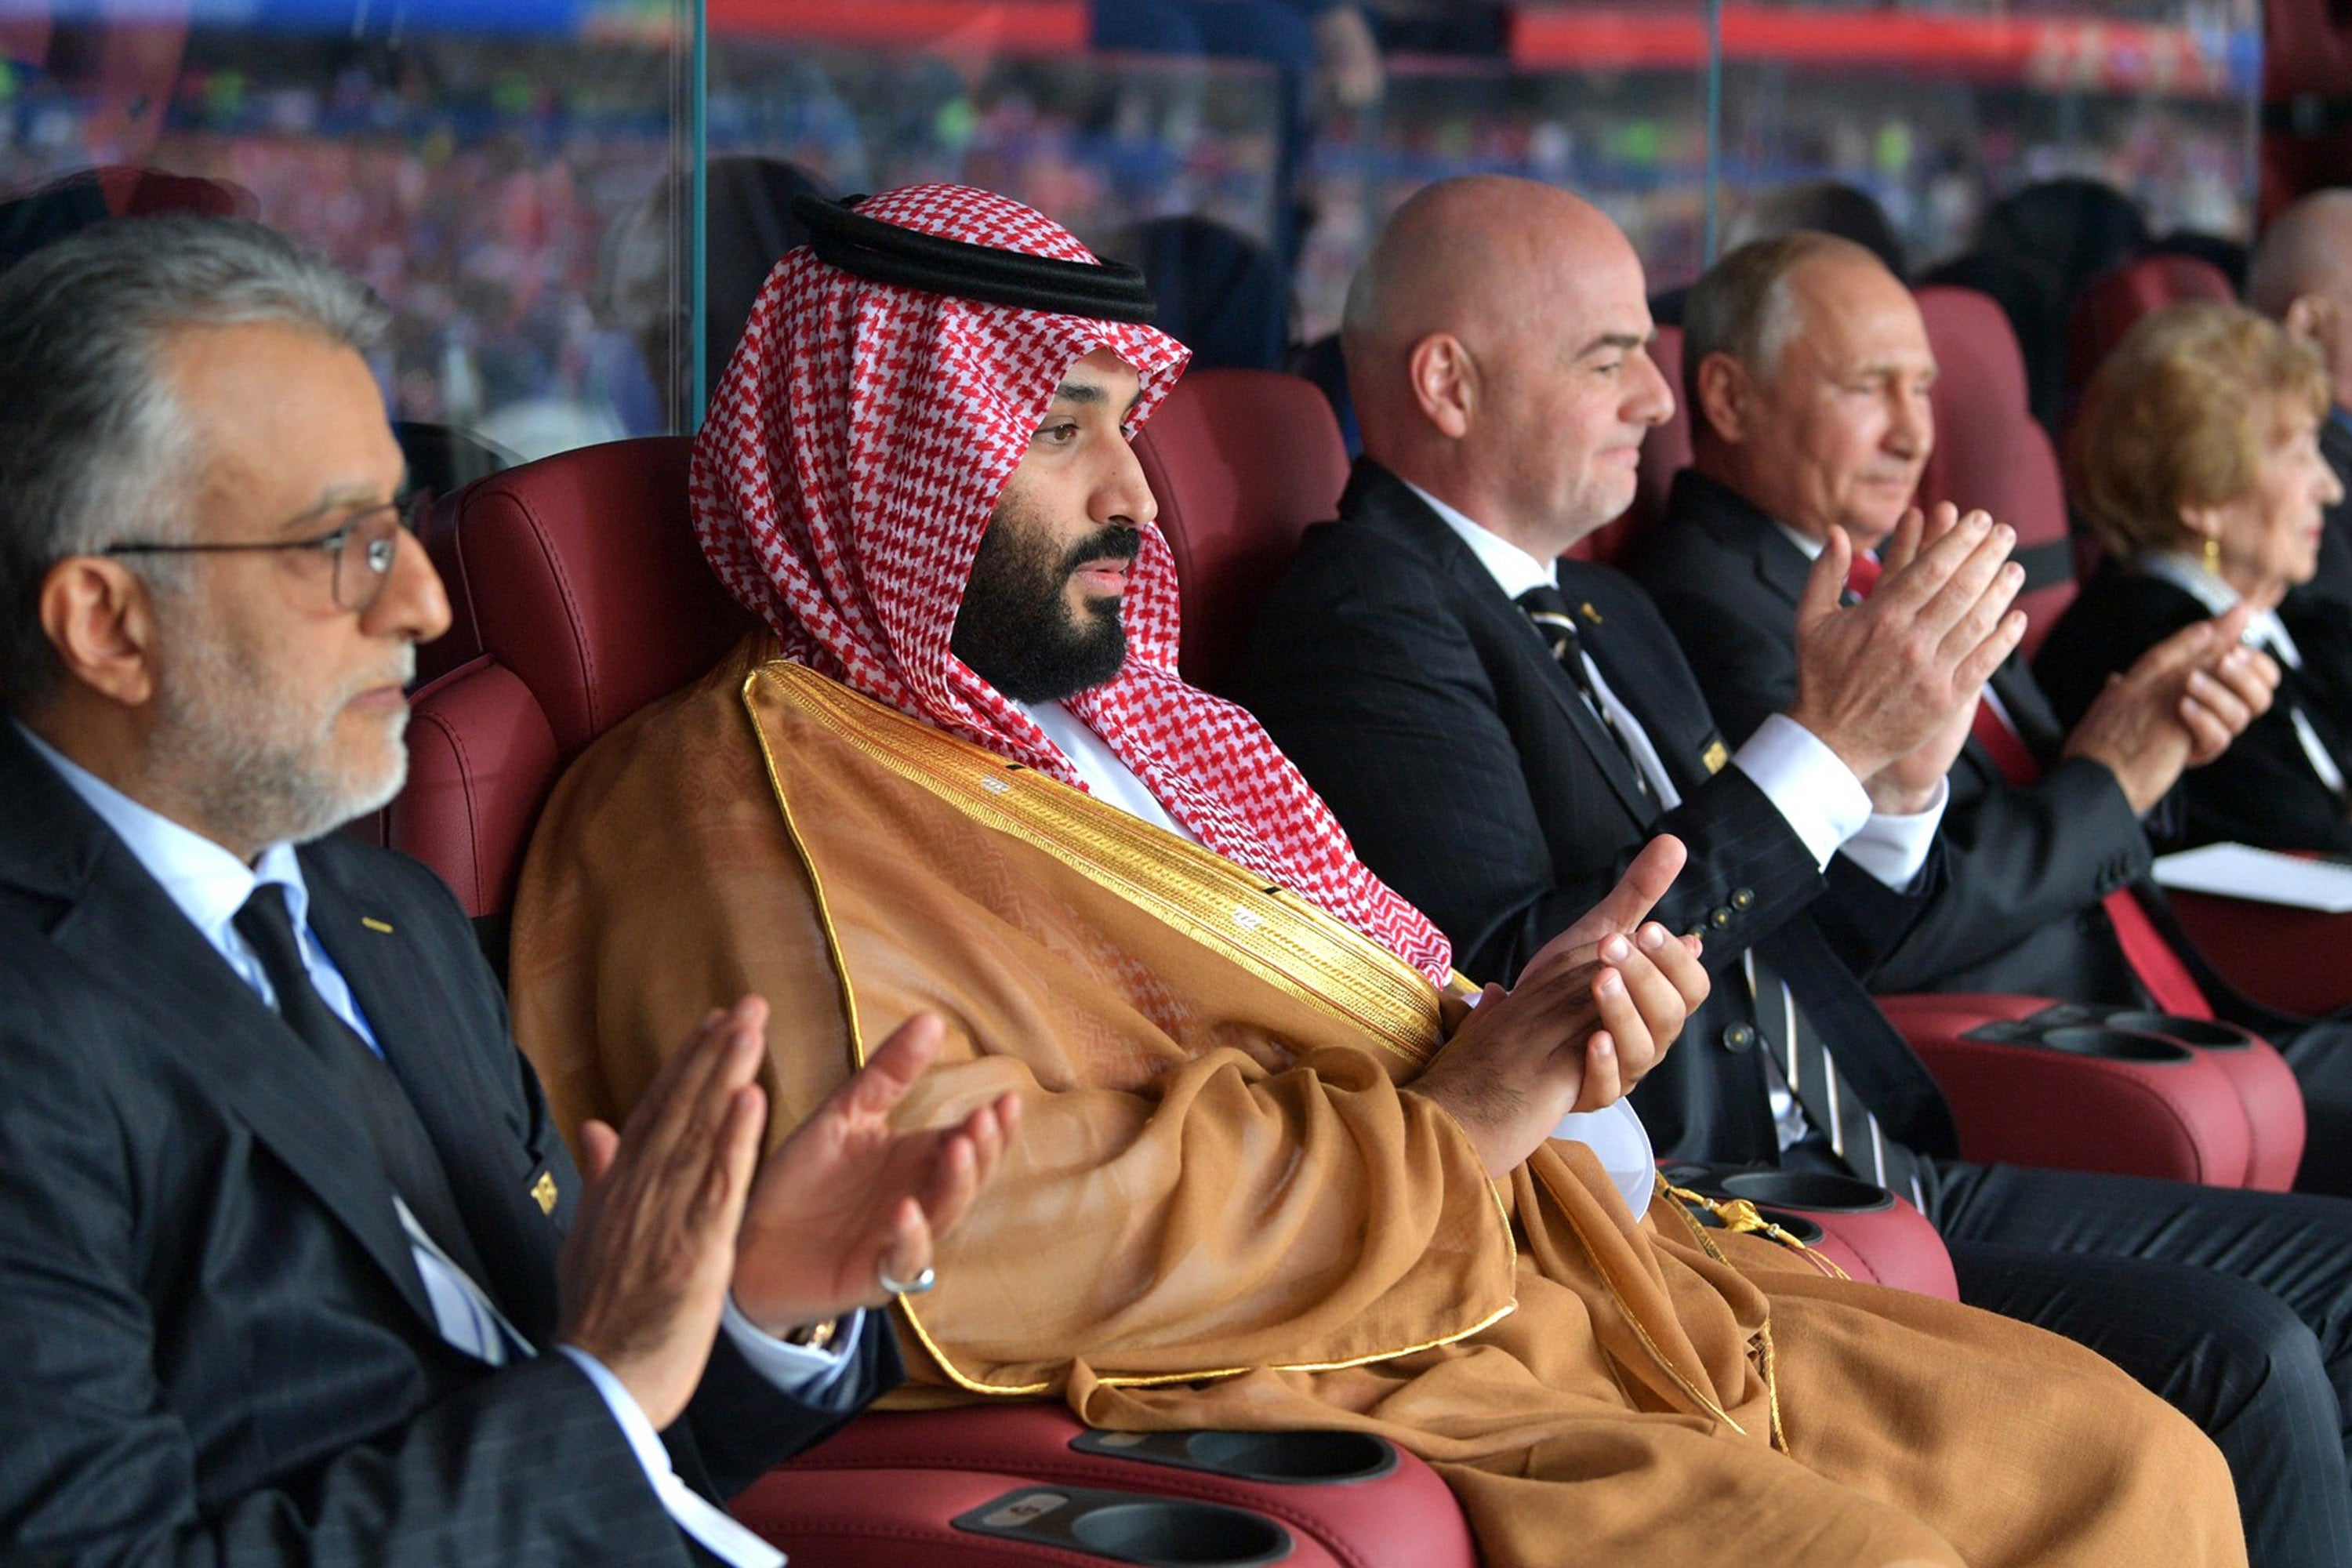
590,598
2112,303
1242,463
1990,452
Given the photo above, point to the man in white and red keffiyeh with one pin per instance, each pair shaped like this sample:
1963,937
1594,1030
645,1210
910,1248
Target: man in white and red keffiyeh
858,553
1262,1135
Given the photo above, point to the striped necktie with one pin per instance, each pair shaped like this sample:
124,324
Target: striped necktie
1546,606
1802,1058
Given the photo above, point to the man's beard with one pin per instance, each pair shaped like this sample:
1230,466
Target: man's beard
257,767
1016,627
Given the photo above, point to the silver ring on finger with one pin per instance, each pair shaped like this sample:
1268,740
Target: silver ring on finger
896,1287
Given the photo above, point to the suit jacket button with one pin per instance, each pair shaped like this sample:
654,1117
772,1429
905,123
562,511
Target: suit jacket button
1721,918
1743,897
1737,1037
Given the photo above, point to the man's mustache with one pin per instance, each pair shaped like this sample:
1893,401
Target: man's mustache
1112,543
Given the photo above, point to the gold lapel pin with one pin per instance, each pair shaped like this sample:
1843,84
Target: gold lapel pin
1591,614
543,1192
374,924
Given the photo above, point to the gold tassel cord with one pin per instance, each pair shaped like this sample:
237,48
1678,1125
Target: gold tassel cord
1744,1218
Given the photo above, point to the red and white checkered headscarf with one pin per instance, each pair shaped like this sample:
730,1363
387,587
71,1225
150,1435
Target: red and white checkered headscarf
853,453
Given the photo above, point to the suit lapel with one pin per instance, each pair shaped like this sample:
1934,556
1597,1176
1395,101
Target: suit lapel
1376,493
1607,755
397,989
119,922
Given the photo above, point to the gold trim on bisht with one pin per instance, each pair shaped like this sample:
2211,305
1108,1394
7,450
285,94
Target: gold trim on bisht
1280,938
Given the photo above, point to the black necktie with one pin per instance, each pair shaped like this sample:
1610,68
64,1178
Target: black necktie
1548,609
362,1081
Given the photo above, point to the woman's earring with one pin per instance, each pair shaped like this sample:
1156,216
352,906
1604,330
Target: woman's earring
2212,556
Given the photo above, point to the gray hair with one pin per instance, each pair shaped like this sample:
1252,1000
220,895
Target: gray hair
94,449
1743,307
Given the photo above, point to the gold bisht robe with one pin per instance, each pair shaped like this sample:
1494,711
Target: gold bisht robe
1222,1212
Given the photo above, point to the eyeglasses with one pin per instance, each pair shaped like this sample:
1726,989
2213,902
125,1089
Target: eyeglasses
364,549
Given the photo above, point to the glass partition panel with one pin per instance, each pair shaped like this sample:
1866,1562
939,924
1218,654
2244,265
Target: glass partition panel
1158,150
1943,112
493,168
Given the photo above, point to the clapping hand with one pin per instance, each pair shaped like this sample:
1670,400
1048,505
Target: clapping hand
680,1207
1592,1012
847,1199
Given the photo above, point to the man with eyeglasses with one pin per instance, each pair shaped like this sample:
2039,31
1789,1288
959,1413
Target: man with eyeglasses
294,1266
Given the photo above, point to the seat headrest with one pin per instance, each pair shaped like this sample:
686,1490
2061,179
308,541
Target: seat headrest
1242,462
1990,450
2113,301
583,577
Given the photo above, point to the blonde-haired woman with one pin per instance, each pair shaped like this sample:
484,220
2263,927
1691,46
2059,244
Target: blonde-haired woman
2196,461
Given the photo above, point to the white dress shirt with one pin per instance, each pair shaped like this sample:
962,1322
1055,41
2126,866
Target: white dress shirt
210,885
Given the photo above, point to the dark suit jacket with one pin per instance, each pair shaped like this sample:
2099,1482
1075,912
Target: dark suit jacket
214,1344
1421,703
2024,867
2263,789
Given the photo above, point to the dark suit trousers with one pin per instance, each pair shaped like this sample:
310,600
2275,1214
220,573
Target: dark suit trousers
2235,1307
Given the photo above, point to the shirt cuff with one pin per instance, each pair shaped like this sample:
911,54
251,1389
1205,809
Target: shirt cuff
809,1373
1823,803
1894,848
644,1441
697,1515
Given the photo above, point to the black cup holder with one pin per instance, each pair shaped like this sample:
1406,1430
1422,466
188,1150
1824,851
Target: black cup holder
1127,1527
2206,1032
1820,1191
1163,1532
1293,1458
2112,1045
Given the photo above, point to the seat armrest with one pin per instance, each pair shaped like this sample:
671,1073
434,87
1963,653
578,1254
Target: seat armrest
2073,1096
1870,1233
1395,1514
885,1519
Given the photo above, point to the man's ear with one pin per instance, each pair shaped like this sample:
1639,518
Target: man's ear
99,617
1444,383
2308,318
1724,390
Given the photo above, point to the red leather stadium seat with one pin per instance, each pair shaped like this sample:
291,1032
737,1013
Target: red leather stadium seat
2111,304
1342,1486
1990,453
2286,958
1243,462
590,598
2171,1114
131,191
